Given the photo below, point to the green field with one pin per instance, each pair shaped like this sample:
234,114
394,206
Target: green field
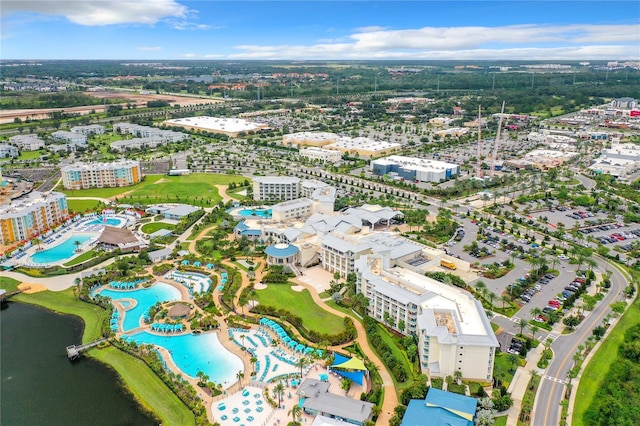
81,258
597,369
150,228
146,387
81,206
196,188
301,304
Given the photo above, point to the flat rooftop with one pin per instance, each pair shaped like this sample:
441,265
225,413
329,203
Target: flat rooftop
232,125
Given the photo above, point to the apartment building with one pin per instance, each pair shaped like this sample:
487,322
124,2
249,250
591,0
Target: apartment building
454,333
276,188
101,175
7,151
31,215
91,129
70,137
27,142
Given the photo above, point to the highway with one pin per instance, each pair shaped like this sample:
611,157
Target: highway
547,409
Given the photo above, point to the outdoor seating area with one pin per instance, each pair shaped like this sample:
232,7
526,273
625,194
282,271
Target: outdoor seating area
245,406
193,281
292,344
125,285
114,323
167,328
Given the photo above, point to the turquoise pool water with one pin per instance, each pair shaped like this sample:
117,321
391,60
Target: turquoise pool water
111,221
192,353
61,251
146,297
266,213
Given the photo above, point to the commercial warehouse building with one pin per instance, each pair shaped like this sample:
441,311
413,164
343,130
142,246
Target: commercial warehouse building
228,126
101,175
414,169
321,154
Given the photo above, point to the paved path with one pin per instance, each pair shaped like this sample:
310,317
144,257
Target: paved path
390,396
104,200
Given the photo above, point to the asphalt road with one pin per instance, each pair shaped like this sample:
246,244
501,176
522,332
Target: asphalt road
552,388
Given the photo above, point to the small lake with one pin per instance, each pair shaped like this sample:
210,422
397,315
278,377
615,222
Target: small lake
40,386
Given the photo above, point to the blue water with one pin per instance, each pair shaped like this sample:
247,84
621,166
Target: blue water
146,297
61,251
111,221
192,353
255,212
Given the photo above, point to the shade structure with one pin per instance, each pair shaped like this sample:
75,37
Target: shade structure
286,339
292,344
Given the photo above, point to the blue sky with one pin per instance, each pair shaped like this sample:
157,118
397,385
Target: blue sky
177,29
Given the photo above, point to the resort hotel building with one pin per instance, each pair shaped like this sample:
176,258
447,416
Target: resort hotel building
414,169
454,333
276,188
7,151
31,215
101,175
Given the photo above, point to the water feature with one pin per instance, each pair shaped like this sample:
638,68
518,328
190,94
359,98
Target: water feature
192,353
266,213
146,297
39,384
60,252
110,221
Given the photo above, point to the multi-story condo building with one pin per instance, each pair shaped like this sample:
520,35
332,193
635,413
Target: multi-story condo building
32,214
27,142
276,188
101,175
91,129
453,331
7,151
70,137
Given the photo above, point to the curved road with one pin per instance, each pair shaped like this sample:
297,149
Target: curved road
551,391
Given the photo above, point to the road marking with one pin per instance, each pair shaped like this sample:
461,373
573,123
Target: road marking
553,336
514,319
555,379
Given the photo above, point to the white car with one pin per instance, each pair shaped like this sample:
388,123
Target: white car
563,257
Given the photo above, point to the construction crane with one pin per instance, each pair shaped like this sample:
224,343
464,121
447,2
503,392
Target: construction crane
479,153
496,144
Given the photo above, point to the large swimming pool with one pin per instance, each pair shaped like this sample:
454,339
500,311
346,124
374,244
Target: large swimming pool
266,213
60,252
111,221
146,297
192,353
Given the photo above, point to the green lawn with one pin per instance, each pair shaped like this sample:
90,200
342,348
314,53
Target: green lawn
196,188
503,368
145,385
148,389
82,258
81,206
500,421
31,155
152,227
398,354
596,371
300,303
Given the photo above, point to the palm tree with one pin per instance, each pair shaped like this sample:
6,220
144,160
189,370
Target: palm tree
279,389
522,323
481,287
513,359
240,376
295,413
77,243
505,299
535,312
491,296
534,329
253,361
38,242
301,363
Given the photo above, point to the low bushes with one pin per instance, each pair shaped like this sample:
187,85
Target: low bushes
395,366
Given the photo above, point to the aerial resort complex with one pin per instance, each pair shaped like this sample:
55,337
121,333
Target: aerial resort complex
323,243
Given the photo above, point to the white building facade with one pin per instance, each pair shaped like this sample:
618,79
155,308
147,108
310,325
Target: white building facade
454,333
101,175
272,188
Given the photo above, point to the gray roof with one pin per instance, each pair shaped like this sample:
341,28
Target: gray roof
392,245
181,210
339,406
159,254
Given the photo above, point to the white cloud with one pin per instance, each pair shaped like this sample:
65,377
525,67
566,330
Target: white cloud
189,55
101,12
543,42
150,48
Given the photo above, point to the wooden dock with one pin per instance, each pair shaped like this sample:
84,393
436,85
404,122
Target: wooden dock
74,352
4,295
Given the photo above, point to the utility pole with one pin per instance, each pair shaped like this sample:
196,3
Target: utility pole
493,86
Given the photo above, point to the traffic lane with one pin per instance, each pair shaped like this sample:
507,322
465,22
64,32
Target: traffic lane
565,346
